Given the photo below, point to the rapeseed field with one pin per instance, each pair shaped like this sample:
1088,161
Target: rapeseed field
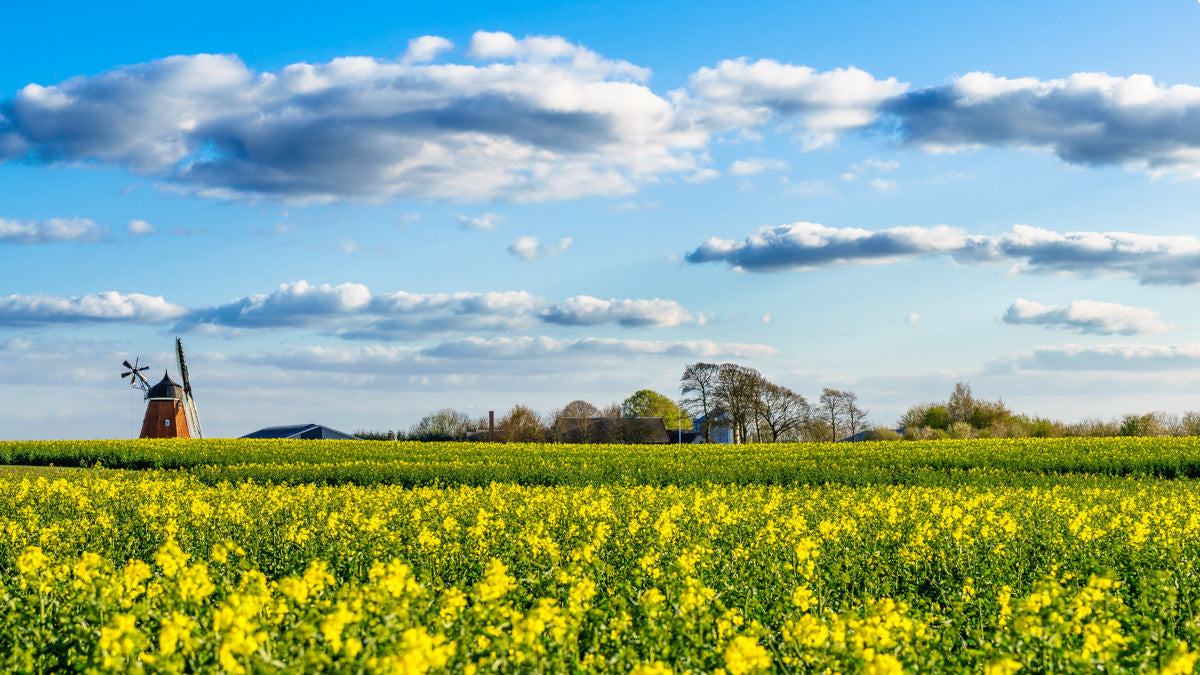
977,556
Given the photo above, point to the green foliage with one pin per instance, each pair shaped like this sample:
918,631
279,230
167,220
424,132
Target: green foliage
646,403
936,417
1141,425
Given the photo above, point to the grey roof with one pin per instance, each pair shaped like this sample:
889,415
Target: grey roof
166,389
305,431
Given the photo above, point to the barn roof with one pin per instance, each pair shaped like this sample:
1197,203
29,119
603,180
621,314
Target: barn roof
305,431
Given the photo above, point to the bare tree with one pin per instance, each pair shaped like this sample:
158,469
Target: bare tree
831,406
579,408
961,404
781,410
699,385
446,424
856,417
736,392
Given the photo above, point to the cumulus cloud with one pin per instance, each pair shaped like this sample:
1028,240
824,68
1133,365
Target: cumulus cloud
46,231
540,118
140,228
1087,118
1106,357
1087,316
820,106
528,248
806,245
1152,259
44,310
425,49
552,121
583,310
353,312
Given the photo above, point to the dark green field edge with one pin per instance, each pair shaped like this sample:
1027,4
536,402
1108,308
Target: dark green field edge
1004,461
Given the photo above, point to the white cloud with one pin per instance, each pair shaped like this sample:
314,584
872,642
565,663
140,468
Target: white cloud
43,310
583,310
528,248
540,118
1087,118
558,123
351,311
912,319
767,318
805,245
755,165
425,49
140,228
1106,358
349,246
703,176
820,106
487,221
1087,316
46,231
1152,259
884,185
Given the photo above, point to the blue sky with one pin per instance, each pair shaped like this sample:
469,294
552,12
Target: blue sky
355,214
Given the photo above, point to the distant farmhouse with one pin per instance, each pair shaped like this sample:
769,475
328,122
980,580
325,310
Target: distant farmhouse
718,428
303,431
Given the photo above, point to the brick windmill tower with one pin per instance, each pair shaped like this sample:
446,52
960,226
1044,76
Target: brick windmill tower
170,410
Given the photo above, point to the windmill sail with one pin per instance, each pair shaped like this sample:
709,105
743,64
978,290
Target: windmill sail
188,403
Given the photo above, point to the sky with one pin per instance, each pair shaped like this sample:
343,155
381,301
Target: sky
355,214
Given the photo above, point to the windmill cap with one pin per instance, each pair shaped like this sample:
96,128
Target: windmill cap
166,389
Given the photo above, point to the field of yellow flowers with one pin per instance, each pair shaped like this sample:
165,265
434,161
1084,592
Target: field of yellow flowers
979,556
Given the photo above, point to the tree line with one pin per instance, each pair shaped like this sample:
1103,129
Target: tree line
728,399
738,404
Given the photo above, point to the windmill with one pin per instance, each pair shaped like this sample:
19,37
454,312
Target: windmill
188,402
170,410
134,373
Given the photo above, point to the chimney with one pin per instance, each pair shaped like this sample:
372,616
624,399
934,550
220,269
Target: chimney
491,422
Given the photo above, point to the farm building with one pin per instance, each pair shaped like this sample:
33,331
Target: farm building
303,431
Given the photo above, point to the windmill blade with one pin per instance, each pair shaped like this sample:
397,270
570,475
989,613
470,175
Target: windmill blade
126,364
183,373
189,400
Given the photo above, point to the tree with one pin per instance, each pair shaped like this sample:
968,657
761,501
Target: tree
698,386
781,410
914,417
937,417
579,408
647,403
856,417
736,392
831,406
961,404
446,424
522,425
